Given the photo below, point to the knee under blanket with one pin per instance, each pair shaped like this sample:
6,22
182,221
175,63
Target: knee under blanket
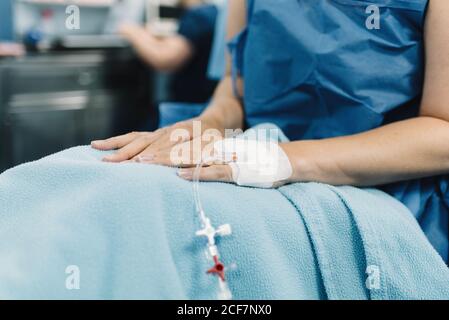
129,230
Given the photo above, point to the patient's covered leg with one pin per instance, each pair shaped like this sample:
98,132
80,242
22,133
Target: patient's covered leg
74,227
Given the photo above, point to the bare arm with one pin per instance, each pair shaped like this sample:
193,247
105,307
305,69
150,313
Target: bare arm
164,54
403,150
400,151
226,110
11,50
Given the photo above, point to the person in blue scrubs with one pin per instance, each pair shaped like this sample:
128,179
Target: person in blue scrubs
5,20
359,87
7,48
185,54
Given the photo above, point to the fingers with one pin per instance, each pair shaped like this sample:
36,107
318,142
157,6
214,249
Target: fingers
130,150
148,157
218,173
163,158
159,147
115,142
132,144
186,154
170,137
162,143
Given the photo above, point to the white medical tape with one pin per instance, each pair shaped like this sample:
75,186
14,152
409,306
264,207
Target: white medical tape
254,163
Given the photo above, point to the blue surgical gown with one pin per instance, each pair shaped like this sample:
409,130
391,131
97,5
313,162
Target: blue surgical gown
327,68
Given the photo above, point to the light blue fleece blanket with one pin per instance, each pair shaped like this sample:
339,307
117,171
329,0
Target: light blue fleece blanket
129,231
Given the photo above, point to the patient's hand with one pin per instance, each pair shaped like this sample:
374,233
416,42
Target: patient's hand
158,147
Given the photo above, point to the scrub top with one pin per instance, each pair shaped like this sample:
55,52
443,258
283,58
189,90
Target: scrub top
191,83
6,24
327,68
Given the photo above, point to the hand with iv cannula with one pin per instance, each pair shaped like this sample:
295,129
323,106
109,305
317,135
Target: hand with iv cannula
156,147
225,112
403,150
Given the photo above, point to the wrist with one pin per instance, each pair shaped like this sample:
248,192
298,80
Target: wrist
211,121
304,167
224,114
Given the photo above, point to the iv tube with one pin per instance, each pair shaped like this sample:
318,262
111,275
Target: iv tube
224,291
196,193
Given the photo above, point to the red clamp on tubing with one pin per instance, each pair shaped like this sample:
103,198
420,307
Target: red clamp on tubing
218,269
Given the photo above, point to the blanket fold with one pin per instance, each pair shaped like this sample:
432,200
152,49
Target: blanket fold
368,245
128,230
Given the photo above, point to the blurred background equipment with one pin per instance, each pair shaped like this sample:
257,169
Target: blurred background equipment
163,16
53,101
71,86
54,96
125,11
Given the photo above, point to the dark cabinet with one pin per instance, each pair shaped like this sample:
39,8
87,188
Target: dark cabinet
49,102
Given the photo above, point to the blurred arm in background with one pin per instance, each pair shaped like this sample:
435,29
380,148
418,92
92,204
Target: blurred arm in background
164,54
173,52
11,49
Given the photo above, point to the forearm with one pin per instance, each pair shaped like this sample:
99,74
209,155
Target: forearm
225,110
162,54
144,45
404,150
400,151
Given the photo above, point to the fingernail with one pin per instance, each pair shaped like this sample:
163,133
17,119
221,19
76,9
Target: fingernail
96,142
186,174
146,158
